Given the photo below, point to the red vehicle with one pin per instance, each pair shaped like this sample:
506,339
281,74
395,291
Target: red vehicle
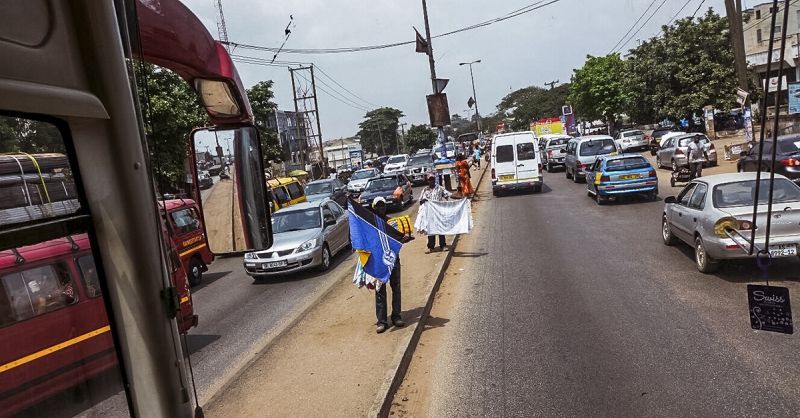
186,231
50,296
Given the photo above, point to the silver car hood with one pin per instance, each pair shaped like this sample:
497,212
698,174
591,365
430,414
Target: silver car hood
317,197
358,183
291,240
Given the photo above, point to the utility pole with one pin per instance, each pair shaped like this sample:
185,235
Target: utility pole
551,84
733,8
430,46
306,93
474,96
403,133
319,129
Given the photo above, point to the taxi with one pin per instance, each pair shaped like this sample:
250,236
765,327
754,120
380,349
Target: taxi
285,192
617,175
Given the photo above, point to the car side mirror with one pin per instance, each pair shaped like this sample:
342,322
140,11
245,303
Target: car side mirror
671,199
236,214
330,222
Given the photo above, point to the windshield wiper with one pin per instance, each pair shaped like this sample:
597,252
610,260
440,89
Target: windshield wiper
295,229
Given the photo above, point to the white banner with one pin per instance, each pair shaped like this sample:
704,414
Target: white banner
450,217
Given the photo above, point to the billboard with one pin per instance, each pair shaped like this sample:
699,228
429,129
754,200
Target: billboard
794,98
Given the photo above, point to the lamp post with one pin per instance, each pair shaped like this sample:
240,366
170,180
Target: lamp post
474,96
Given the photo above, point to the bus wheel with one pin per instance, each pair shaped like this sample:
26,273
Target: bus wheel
195,273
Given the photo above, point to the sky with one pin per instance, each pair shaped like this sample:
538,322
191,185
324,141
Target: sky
528,50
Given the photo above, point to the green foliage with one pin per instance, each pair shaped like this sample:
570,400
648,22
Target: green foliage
420,136
531,103
677,74
599,89
171,112
260,96
30,136
378,130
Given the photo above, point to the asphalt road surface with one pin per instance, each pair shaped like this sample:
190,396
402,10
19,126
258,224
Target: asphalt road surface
567,308
237,316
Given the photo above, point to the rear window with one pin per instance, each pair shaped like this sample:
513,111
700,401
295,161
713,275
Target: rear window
504,154
633,133
36,291
558,141
295,191
396,159
789,145
597,147
526,151
685,141
624,164
741,193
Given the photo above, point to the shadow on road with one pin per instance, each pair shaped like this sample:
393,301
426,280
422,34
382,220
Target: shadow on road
545,189
412,317
459,254
209,278
197,342
745,270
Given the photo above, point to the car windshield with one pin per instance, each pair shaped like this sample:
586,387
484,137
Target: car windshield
319,188
741,193
597,147
295,220
558,142
633,133
685,141
382,183
789,145
396,159
449,146
362,174
659,134
623,164
420,159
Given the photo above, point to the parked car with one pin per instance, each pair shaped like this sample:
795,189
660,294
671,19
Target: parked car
423,151
396,163
674,151
307,235
419,166
395,188
359,179
554,151
654,137
713,212
632,139
380,162
205,181
621,175
332,189
516,163
787,157
450,151
583,151
664,138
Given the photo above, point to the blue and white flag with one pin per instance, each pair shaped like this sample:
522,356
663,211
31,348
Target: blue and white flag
376,243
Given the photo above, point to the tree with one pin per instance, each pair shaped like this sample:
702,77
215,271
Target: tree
598,89
420,136
378,130
260,96
171,112
531,103
30,136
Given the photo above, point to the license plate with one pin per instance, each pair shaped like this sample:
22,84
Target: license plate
783,250
629,177
507,177
274,264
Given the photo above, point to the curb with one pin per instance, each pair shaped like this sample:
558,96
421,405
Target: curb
383,403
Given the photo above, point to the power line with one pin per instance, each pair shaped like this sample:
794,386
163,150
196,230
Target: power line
632,26
344,88
698,8
352,104
527,9
643,24
681,9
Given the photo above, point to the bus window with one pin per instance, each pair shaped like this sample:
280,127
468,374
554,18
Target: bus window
186,220
90,279
39,290
295,190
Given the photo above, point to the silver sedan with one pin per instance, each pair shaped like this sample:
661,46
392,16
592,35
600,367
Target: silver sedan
307,235
714,215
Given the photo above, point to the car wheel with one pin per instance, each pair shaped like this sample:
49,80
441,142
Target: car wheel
548,167
575,178
653,152
666,232
674,166
326,258
495,192
195,272
658,162
566,172
705,264
600,199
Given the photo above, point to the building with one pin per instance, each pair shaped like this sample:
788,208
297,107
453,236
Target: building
757,21
344,151
294,150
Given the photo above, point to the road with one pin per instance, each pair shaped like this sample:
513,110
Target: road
237,317
555,306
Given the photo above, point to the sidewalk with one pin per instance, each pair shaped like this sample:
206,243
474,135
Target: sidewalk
332,363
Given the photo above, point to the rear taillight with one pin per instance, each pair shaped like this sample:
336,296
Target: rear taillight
578,166
604,179
678,151
493,176
652,173
731,224
711,147
790,162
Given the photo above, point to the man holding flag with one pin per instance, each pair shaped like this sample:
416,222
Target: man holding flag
377,245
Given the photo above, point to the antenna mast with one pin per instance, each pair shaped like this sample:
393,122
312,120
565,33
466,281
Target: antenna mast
222,30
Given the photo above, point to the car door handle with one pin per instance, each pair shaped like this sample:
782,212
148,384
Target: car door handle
520,165
680,214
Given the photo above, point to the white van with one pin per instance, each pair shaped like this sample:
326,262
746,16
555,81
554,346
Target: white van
516,163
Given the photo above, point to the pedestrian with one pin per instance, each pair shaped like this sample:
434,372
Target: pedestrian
476,156
434,193
379,208
464,184
697,156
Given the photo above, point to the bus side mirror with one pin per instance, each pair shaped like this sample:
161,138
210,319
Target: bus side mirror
236,214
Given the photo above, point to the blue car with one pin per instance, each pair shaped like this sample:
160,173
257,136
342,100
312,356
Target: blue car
618,175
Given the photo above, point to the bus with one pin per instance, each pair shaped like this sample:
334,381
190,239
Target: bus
83,194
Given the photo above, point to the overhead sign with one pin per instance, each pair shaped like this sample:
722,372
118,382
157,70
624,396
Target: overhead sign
470,102
566,110
773,84
741,96
441,83
438,110
794,98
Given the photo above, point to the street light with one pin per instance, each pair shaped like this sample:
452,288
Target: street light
474,96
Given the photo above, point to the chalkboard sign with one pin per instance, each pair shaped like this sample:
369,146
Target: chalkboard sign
770,309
